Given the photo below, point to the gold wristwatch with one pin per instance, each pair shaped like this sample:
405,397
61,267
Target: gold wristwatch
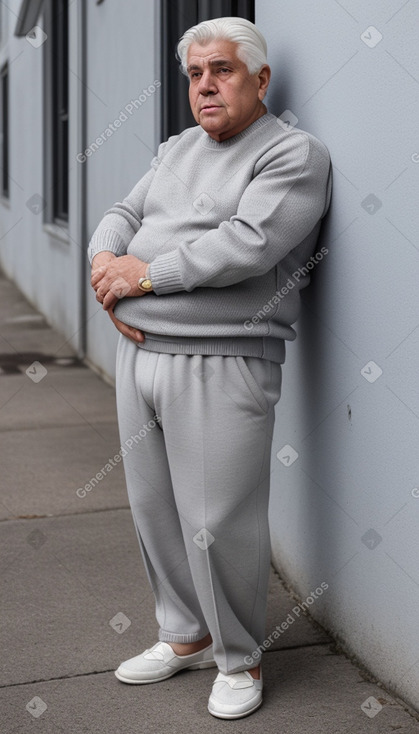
145,284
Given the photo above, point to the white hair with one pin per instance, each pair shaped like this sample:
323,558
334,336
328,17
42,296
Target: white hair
252,48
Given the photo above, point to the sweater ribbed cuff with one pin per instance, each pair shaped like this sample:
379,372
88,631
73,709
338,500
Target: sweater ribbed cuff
108,241
165,274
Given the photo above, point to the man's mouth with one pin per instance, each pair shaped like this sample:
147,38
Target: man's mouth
210,107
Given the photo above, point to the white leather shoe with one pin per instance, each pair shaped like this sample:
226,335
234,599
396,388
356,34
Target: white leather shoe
161,662
235,695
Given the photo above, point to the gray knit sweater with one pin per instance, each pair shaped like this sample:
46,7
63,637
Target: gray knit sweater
230,229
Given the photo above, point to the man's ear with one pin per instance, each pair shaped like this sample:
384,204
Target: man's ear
264,76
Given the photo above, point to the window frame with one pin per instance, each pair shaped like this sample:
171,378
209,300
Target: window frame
4,122
56,112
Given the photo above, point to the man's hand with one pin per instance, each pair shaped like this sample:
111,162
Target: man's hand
102,258
99,263
129,331
99,270
116,277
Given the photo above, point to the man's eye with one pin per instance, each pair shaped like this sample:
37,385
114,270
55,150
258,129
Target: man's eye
223,68
195,74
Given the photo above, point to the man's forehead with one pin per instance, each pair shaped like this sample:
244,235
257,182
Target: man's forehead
220,50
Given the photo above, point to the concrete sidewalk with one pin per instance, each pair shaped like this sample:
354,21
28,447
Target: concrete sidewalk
75,597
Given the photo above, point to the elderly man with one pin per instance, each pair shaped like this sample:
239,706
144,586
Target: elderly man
200,268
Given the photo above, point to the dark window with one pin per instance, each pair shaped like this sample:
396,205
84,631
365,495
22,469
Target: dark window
176,18
59,84
4,75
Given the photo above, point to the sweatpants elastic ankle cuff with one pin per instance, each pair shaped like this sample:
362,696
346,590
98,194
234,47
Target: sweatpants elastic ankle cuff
182,639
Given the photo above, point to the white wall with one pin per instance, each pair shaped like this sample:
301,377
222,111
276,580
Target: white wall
122,60
357,469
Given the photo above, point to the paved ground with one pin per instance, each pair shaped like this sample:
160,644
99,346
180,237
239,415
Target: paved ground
75,597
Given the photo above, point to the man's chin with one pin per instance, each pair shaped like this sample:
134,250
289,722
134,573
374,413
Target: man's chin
213,128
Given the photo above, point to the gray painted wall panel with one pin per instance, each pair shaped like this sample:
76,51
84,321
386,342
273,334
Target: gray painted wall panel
121,62
346,510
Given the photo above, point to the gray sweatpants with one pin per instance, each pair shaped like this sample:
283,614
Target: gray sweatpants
198,486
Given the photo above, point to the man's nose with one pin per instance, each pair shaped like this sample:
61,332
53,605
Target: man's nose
207,83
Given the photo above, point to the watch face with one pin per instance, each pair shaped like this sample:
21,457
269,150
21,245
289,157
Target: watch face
146,284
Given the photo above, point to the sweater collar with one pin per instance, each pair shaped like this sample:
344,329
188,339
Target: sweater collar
256,125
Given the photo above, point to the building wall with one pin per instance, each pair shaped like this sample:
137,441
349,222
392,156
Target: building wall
42,260
345,510
49,262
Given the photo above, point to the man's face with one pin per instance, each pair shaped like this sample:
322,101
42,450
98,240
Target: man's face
224,97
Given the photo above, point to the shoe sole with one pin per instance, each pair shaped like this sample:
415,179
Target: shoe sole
193,666
220,715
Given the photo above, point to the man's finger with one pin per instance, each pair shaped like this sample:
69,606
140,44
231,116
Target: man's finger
129,331
97,274
135,334
110,300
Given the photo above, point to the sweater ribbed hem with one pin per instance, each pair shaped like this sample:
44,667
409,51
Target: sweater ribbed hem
263,347
108,241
